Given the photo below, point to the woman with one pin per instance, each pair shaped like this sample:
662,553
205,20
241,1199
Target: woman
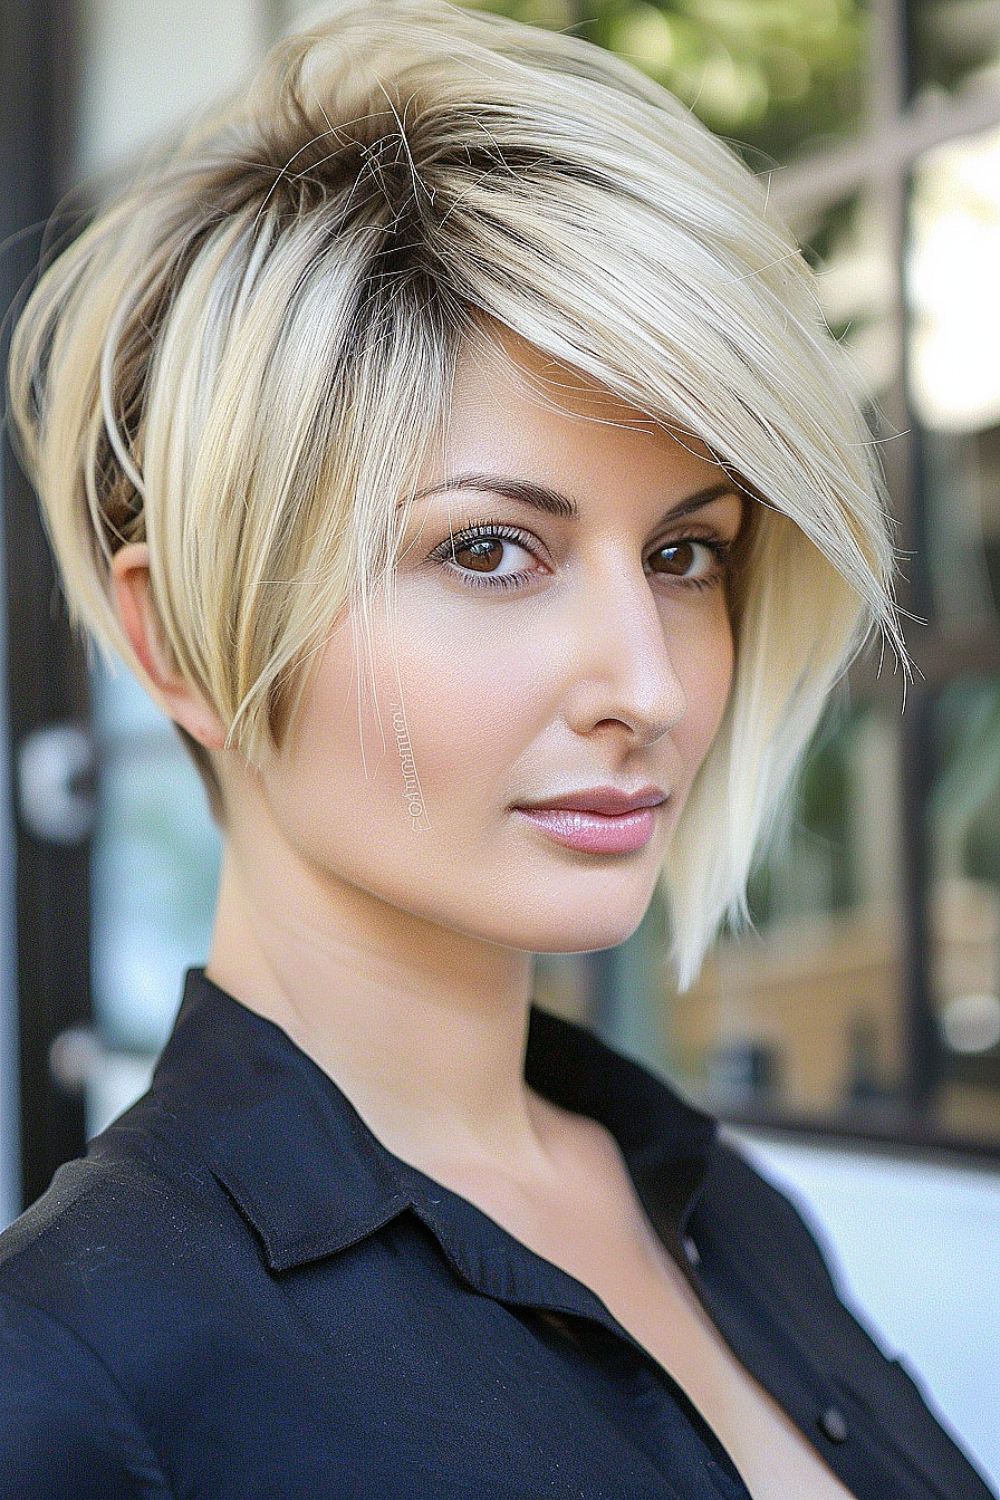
455,451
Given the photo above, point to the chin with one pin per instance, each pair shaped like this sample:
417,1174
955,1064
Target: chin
585,934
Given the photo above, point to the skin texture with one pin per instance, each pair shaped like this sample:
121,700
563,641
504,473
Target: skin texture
395,948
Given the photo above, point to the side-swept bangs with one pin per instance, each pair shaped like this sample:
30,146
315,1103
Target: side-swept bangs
246,361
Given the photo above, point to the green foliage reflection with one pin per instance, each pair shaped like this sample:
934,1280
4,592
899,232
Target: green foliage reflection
773,74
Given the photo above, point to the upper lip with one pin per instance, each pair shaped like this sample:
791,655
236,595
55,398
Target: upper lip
601,799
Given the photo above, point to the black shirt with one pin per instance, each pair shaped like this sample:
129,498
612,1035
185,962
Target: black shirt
241,1292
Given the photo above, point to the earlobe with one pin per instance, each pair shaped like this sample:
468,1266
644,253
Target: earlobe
184,704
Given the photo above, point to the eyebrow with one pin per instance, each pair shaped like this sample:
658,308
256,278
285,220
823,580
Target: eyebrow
553,502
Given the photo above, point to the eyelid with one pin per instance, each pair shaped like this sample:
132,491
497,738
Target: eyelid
506,532
708,536
716,571
685,530
690,528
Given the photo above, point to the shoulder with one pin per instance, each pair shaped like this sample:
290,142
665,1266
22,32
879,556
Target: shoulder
757,1247
66,1427
99,1281
140,1199
738,1204
754,1236
755,1242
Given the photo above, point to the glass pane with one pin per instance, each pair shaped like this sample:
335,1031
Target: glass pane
803,1013
962,491
954,42
953,295
777,79
965,829
953,290
565,983
155,866
849,244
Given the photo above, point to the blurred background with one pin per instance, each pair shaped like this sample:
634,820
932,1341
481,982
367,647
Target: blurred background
852,1038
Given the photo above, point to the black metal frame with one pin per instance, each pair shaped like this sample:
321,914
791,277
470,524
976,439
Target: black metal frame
905,1123
47,676
884,160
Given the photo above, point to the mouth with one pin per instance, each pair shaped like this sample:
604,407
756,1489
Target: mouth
601,820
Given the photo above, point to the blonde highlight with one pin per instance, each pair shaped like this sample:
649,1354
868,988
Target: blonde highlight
246,362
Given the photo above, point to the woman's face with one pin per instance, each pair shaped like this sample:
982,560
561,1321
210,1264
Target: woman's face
563,636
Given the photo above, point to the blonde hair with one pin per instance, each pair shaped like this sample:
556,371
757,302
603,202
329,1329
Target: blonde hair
246,360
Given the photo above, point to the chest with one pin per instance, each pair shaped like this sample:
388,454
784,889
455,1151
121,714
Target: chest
612,1249
650,1297
417,1361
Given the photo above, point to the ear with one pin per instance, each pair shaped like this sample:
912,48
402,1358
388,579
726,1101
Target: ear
137,612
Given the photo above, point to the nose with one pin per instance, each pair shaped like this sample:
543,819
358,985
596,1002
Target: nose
623,674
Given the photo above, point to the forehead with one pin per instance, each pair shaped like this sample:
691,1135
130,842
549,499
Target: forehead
515,409
501,365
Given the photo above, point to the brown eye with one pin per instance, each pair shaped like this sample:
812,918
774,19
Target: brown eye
692,563
482,555
677,558
491,555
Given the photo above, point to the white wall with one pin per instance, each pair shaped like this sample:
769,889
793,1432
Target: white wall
916,1249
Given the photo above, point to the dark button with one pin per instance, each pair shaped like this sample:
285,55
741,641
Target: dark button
833,1424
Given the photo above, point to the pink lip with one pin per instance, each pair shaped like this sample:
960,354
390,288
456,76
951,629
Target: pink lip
600,799
602,820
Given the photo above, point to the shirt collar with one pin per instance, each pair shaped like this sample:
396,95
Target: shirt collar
311,1177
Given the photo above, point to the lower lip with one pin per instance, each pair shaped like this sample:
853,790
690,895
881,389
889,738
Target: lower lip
594,833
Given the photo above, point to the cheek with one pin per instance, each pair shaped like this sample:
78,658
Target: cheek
705,667
472,699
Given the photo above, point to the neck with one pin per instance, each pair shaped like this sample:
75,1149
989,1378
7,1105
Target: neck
422,1027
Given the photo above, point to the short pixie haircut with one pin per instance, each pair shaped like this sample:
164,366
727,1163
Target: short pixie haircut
246,361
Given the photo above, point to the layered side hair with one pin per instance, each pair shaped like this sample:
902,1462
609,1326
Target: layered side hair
246,360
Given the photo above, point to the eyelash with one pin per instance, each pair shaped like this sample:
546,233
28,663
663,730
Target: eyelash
501,532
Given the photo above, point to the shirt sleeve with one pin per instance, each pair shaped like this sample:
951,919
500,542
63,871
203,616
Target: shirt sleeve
65,1429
